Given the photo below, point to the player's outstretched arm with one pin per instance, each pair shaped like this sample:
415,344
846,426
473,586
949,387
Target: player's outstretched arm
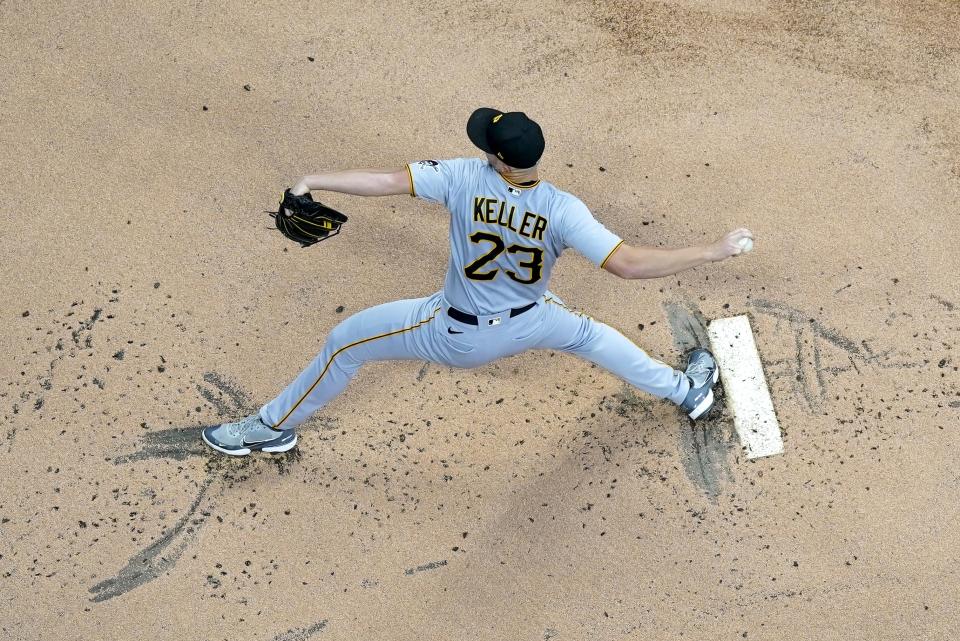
358,182
653,262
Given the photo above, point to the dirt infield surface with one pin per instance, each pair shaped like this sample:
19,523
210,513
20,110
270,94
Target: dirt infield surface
537,498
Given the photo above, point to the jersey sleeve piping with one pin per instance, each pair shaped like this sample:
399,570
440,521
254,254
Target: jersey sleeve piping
615,248
413,192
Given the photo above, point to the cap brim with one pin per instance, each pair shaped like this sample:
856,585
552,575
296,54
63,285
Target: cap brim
477,127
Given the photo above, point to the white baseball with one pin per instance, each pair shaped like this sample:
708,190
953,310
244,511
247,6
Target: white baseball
746,244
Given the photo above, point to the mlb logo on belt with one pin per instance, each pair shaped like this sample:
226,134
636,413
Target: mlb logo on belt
494,321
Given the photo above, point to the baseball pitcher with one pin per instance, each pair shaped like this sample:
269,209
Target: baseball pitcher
507,229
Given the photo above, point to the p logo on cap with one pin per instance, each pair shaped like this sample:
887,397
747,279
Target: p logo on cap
497,117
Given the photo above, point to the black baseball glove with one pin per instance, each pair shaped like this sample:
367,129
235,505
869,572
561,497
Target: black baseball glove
306,221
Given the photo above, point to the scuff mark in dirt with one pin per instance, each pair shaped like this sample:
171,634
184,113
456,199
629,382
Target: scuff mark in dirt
301,634
944,302
806,368
85,326
179,443
433,565
240,399
704,444
176,443
688,326
158,557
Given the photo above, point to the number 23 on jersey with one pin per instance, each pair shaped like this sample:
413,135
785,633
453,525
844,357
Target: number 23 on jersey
533,267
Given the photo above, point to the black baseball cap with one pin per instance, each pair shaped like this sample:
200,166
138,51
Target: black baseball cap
512,137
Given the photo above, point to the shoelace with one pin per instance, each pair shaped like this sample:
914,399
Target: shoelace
240,429
699,372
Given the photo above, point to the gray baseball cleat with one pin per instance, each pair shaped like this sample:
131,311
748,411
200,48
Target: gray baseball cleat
251,433
703,373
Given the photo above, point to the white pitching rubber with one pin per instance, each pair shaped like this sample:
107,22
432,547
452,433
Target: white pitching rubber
731,340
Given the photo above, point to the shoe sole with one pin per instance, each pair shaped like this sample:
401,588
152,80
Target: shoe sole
281,448
702,408
707,401
244,451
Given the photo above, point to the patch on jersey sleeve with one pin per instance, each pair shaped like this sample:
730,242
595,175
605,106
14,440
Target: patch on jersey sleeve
430,163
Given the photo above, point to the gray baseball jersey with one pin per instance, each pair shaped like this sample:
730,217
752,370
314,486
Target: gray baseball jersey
505,237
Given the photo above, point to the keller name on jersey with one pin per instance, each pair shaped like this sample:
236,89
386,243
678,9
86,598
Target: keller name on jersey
493,211
504,238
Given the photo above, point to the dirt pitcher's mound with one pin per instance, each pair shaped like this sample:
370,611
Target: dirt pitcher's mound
535,498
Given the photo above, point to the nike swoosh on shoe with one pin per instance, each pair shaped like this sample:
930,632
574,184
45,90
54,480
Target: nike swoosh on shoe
453,331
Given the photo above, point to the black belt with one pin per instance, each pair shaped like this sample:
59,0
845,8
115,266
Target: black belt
470,319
